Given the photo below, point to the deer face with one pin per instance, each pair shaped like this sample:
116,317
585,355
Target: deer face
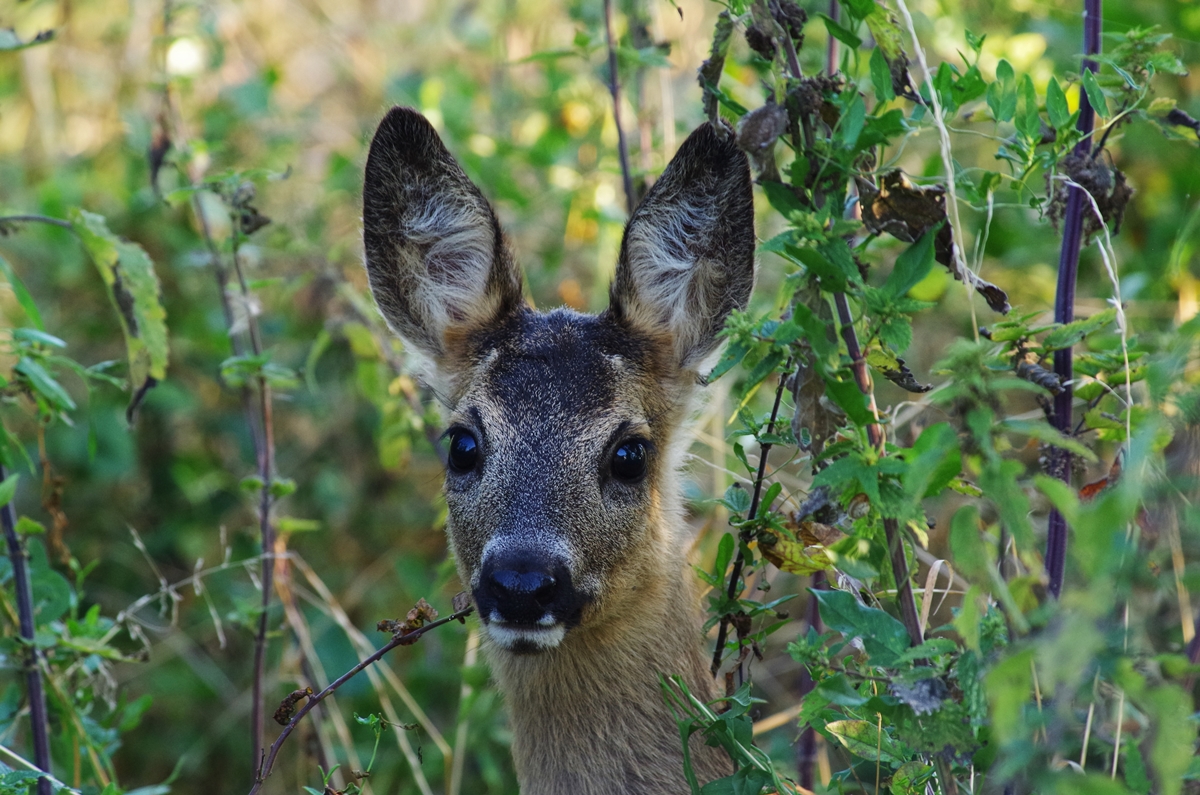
562,428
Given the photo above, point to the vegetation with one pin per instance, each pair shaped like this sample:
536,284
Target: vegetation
921,570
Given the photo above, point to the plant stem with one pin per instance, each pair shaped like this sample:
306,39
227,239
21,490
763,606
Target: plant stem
38,720
831,53
806,746
735,574
1064,305
40,219
891,529
406,639
614,88
265,455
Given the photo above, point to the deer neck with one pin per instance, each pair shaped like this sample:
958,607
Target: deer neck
588,717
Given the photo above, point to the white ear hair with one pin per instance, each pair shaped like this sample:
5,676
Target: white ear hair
687,259
435,255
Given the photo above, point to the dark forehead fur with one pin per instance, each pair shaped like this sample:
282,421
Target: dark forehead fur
562,360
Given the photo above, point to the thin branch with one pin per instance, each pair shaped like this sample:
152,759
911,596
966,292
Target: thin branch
265,455
735,575
406,639
38,719
614,88
1064,305
38,219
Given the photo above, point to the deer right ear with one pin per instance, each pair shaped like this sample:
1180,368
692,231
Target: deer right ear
436,258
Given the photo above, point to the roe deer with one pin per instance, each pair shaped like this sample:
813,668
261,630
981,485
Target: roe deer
565,436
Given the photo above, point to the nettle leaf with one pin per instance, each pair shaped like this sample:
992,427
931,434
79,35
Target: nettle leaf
135,291
863,738
850,399
1046,433
881,77
844,35
883,636
935,461
913,265
1074,332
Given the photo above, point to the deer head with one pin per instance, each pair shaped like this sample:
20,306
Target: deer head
564,428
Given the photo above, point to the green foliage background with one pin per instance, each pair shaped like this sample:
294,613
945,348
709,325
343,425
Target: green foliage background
289,94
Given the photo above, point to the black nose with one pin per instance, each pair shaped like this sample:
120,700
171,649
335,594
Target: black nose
521,588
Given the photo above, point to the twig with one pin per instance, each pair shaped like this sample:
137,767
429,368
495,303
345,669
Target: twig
405,639
40,219
39,723
735,575
265,454
1064,306
831,51
614,88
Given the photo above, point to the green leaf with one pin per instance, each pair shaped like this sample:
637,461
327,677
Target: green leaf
884,638
8,489
135,292
844,35
1095,94
881,77
730,358
1029,123
1074,332
850,399
913,265
1056,105
863,738
967,548
1002,94
851,124
29,527
24,299
736,499
42,383
1044,432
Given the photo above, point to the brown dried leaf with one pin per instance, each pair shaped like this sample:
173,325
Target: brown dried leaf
287,707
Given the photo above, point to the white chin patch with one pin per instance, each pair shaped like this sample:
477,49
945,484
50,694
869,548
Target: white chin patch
525,638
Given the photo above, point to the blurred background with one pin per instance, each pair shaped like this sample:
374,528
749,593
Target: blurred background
290,90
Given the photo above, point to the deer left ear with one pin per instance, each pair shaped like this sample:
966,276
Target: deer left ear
687,259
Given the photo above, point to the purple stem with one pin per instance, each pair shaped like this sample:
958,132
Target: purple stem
1064,303
38,720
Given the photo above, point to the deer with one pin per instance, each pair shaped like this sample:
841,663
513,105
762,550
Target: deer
566,433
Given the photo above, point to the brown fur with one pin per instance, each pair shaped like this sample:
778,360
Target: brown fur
548,398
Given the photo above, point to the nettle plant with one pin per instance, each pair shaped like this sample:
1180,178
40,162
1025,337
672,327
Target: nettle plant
1020,690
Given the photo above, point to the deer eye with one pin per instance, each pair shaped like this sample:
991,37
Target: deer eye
629,461
464,451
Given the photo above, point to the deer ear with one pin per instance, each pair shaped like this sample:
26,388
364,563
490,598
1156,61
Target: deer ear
687,259
436,258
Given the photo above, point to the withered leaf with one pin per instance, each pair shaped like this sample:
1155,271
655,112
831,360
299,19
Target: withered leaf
709,74
287,707
812,413
461,601
1035,373
906,211
923,696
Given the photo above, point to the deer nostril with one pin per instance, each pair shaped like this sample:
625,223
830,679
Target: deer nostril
523,595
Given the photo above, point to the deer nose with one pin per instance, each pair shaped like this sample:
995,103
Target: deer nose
535,587
521,588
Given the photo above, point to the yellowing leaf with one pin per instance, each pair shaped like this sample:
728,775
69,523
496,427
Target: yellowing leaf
128,272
